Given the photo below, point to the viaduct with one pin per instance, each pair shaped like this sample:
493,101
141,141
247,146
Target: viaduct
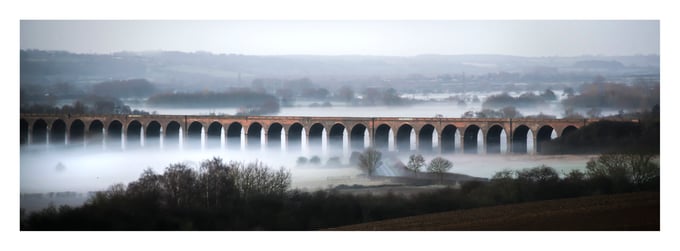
435,135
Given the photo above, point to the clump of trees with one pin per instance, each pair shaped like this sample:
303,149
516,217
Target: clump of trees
301,161
527,99
389,96
415,162
369,160
439,166
215,184
315,160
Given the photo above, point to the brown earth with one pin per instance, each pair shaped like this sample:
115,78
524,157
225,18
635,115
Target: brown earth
631,211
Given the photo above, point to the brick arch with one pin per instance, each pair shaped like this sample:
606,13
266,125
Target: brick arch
95,132
543,135
114,133
403,137
470,136
425,134
448,138
153,131
193,133
254,135
133,133
213,134
315,136
39,129
519,138
492,139
194,122
381,136
171,134
233,135
76,132
336,137
294,132
58,132
566,130
357,133
274,132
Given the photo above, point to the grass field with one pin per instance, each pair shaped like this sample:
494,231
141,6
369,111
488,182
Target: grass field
631,211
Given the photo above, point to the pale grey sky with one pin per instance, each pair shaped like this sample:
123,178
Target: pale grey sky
391,38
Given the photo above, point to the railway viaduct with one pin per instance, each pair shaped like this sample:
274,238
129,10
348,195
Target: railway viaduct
309,134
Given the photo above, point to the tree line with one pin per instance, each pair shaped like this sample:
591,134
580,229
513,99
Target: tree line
600,94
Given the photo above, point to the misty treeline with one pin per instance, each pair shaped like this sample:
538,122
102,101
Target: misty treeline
133,88
292,90
101,98
49,94
204,69
608,136
237,196
250,102
640,95
527,99
86,105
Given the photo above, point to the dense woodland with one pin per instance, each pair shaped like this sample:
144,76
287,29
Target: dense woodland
609,135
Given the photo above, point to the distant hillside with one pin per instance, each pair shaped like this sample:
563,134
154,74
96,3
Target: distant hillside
599,64
40,67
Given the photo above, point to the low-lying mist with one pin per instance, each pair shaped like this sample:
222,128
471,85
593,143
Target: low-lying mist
429,106
84,170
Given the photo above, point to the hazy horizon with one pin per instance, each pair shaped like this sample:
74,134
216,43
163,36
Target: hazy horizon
535,38
338,55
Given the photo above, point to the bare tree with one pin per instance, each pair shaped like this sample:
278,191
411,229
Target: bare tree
216,182
415,162
369,160
179,181
439,166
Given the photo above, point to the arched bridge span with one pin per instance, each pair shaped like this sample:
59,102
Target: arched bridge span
293,133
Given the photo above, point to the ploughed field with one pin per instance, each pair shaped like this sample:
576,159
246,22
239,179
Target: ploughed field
631,211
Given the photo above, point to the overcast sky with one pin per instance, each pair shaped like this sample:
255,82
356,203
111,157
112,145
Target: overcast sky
393,38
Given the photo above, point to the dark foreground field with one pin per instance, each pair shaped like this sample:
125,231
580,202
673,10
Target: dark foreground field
631,211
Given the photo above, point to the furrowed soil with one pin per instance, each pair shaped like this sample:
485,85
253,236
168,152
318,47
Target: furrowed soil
631,211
